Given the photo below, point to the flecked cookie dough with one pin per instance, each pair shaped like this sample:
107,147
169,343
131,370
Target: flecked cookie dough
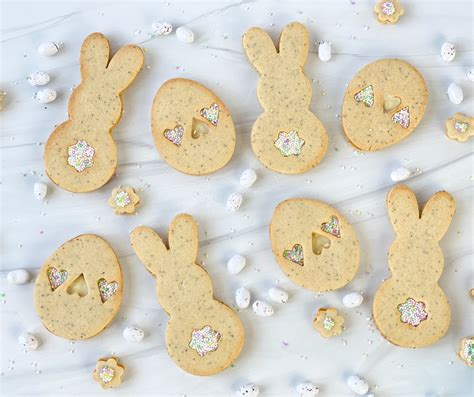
192,128
460,127
287,138
410,309
80,154
204,336
79,289
383,104
313,244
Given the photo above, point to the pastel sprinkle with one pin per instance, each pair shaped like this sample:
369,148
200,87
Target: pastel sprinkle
204,340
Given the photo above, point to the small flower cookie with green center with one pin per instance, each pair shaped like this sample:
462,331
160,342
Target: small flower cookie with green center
460,127
328,322
108,372
388,11
466,352
124,200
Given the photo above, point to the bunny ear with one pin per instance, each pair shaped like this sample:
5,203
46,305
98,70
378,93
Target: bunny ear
294,43
437,214
259,48
183,238
124,67
95,53
149,248
402,208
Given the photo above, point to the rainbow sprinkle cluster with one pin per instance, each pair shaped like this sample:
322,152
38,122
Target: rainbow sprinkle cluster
106,374
211,114
107,290
295,254
289,143
467,353
175,135
366,96
388,8
204,340
402,117
332,227
461,127
412,312
80,156
122,199
56,277
328,323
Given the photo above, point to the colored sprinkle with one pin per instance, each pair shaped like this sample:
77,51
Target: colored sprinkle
402,117
175,135
388,8
211,114
366,96
412,312
56,277
467,352
80,156
289,143
332,227
295,254
107,290
328,323
122,199
204,340
461,127
106,374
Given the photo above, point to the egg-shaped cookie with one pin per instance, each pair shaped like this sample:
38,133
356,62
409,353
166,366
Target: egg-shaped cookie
192,128
383,104
313,244
79,289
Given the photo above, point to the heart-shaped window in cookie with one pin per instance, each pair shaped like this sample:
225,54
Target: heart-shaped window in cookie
56,277
106,289
211,114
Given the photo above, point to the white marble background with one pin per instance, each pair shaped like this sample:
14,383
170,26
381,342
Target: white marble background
282,350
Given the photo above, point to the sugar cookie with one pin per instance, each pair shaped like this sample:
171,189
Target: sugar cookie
192,128
80,154
313,244
79,289
328,322
388,11
108,372
410,309
383,104
460,127
287,138
124,200
204,336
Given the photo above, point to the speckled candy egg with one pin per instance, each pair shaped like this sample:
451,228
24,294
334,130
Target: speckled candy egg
192,128
383,104
314,244
79,289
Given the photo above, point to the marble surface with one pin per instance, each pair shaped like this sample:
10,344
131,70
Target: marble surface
282,350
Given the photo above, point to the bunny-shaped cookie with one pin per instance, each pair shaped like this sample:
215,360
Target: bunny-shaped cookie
80,154
287,138
204,336
410,309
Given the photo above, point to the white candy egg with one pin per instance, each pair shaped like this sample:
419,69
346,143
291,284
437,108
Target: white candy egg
234,201
448,52
38,78
307,389
133,334
262,308
40,190
249,390
46,95
161,28
28,341
184,34
278,295
324,51
354,299
18,276
49,48
358,385
236,264
400,174
248,178
242,297
455,93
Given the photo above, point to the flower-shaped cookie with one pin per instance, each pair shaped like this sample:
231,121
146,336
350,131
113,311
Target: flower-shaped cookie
460,127
388,11
466,352
124,200
108,372
328,322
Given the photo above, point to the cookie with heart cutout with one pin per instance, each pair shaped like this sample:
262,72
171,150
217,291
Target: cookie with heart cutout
192,128
383,104
78,290
313,244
